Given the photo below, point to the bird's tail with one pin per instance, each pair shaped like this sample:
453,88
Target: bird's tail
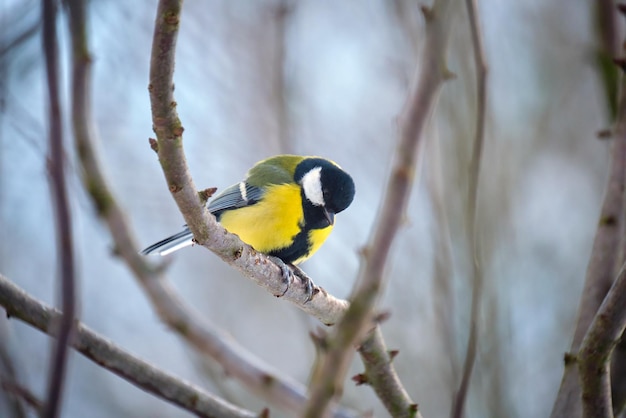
170,244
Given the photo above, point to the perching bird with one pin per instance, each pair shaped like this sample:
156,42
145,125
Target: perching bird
284,208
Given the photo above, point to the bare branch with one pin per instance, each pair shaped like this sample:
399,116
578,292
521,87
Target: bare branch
609,322
480,63
281,12
19,304
596,349
443,274
598,278
62,211
382,377
17,394
20,392
23,36
605,253
357,319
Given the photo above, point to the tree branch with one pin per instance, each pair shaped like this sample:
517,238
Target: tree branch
16,394
599,272
605,255
471,220
596,349
62,212
20,393
382,377
141,374
609,322
281,13
357,319
445,310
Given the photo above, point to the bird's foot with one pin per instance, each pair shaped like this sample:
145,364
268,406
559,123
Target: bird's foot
309,286
290,272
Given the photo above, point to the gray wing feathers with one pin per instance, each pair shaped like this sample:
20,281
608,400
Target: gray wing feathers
171,244
236,196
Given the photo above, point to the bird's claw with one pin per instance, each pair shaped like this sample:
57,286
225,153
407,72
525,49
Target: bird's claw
289,272
309,286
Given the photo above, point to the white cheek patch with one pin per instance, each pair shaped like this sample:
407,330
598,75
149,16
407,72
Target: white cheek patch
312,185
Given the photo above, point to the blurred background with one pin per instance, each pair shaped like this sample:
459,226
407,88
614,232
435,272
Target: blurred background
254,79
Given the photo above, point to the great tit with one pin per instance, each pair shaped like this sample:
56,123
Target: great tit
284,208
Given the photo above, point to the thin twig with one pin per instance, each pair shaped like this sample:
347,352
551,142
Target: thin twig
443,271
21,37
357,320
9,382
20,305
63,223
21,393
480,63
237,362
382,377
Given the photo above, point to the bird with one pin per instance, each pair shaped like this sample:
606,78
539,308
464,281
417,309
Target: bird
285,208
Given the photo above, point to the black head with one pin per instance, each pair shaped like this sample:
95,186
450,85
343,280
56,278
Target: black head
325,185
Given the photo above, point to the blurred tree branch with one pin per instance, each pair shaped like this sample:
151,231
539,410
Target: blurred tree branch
596,349
357,320
609,323
280,14
605,253
17,395
382,377
606,30
22,306
443,275
480,62
66,273
612,75
21,37
20,393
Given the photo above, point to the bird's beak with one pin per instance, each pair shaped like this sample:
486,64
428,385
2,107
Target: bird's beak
330,216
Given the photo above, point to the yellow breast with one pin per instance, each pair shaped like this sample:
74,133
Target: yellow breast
271,224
